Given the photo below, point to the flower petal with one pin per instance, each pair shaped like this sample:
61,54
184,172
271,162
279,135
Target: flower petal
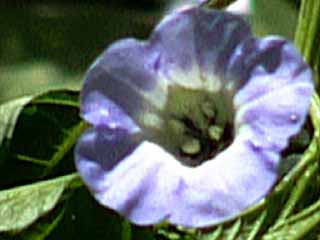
101,150
138,184
190,47
216,37
259,66
100,111
272,119
274,101
196,44
148,185
124,75
222,188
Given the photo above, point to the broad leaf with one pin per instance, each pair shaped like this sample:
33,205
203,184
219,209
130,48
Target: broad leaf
43,228
21,206
9,113
37,133
45,131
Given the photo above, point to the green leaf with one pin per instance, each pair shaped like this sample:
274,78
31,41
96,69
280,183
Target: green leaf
126,232
21,206
58,97
85,219
307,34
9,113
44,133
43,228
297,226
214,235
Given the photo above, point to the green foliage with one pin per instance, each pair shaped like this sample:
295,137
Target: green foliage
44,227
21,206
31,128
307,35
9,113
42,196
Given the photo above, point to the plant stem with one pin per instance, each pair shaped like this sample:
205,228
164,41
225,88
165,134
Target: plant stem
65,146
307,36
297,193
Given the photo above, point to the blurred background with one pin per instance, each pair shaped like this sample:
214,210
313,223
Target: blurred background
49,44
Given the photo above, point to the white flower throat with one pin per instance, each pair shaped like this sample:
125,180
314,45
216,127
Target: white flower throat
194,125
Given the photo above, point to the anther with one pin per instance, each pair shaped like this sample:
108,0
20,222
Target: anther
191,146
215,132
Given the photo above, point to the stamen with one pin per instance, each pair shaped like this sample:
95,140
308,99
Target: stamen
208,110
191,146
176,126
215,132
192,124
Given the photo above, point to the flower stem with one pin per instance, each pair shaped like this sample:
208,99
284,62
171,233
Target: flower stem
307,36
297,193
65,146
215,235
234,230
257,226
297,226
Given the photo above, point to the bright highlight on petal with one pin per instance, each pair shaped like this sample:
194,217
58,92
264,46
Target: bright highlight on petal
188,126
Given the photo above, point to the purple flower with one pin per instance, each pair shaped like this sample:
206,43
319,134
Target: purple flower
189,125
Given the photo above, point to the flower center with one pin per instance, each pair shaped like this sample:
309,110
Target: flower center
195,125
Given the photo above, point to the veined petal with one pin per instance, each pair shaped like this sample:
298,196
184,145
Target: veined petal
148,185
100,111
125,76
99,151
259,66
216,38
196,44
190,48
138,182
272,119
277,87
220,189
